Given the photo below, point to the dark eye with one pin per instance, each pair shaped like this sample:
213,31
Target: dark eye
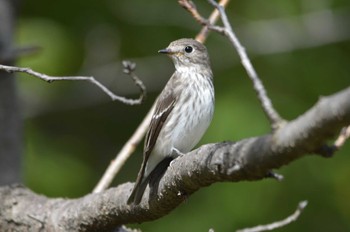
188,49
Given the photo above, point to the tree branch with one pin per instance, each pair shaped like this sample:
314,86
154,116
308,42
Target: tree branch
273,116
214,16
129,68
247,159
279,224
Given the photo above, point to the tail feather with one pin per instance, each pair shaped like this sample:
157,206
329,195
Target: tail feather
139,187
137,192
153,178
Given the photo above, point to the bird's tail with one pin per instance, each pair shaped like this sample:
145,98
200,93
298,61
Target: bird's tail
137,192
153,178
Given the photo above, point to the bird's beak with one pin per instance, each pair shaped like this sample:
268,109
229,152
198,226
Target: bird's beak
165,51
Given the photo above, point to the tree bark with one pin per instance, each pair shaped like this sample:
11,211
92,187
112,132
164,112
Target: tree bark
247,159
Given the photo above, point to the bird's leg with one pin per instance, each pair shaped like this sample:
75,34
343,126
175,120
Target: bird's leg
175,153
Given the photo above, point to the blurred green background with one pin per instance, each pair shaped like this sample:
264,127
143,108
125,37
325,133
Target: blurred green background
300,49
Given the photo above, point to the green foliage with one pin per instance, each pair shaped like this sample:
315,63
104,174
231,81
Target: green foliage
72,132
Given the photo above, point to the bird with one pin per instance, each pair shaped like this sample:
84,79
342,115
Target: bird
183,112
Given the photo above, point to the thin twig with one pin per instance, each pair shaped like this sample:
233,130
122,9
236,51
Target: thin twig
129,68
128,148
273,116
344,135
192,9
279,224
49,79
203,34
265,101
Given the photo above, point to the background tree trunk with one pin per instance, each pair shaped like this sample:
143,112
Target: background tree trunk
10,118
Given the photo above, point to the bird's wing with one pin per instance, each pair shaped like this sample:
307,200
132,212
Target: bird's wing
164,106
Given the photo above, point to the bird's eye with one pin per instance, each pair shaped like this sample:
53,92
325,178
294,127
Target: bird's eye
188,49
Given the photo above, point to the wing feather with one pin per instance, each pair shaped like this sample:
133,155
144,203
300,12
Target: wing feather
165,104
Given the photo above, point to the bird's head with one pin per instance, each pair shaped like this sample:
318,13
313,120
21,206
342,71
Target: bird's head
187,53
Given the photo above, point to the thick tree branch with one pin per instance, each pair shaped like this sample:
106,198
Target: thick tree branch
129,68
247,159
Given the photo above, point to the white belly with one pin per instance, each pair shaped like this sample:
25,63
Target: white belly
183,131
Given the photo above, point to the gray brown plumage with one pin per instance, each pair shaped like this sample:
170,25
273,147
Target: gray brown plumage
183,112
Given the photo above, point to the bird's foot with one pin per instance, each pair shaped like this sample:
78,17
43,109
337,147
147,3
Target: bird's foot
176,153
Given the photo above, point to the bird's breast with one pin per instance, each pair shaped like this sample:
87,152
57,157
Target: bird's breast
190,117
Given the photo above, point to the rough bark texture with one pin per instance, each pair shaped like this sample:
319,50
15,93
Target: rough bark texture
248,159
10,119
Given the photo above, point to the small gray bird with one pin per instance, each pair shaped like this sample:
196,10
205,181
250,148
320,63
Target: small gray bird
183,112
